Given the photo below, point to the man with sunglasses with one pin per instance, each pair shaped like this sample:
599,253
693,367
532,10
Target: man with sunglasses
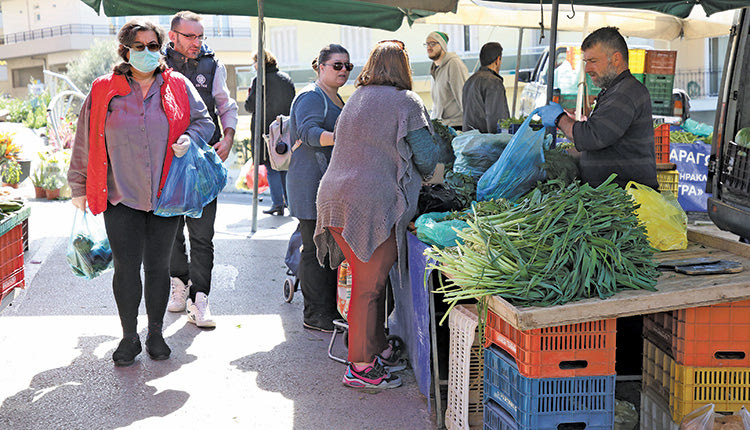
187,54
448,76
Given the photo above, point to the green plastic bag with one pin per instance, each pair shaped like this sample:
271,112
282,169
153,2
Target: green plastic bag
665,221
431,229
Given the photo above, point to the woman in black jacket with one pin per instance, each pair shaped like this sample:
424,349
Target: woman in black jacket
278,101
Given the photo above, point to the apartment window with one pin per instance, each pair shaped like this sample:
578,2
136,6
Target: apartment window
118,21
717,49
221,25
461,38
3,73
358,41
165,21
283,44
23,76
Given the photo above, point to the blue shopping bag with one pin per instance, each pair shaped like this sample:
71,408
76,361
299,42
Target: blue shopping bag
194,180
518,169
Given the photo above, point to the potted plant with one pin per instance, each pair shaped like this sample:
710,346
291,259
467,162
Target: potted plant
52,185
11,173
37,179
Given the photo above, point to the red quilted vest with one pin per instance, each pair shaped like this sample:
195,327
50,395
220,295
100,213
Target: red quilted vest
176,105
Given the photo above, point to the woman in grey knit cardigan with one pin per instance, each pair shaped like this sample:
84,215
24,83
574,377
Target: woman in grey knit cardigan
367,197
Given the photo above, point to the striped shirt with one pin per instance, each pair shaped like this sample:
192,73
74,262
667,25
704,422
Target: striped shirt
618,136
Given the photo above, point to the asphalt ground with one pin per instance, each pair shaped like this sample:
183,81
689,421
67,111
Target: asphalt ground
258,369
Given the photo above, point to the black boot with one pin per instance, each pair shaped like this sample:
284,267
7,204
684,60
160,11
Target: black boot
126,351
275,210
156,347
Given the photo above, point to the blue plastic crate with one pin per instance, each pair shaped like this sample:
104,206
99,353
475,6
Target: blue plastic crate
496,418
545,403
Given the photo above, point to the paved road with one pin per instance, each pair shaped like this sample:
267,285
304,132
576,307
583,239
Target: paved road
258,369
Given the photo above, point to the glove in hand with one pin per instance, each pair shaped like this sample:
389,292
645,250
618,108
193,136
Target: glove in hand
182,145
550,113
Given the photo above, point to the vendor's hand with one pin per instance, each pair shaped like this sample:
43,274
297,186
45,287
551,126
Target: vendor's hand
223,147
79,202
182,145
550,113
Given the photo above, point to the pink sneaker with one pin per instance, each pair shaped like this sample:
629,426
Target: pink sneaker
373,376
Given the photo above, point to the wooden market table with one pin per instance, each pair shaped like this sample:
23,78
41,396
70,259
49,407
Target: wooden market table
674,291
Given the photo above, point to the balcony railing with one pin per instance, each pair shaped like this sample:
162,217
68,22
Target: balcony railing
699,82
102,30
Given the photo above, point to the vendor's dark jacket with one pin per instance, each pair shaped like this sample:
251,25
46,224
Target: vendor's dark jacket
279,95
200,71
618,136
484,101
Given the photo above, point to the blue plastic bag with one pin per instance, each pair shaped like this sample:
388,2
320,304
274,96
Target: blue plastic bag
518,169
476,152
194,180
433,230
88,254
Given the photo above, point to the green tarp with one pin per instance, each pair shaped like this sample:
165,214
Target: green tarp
345,12
678,8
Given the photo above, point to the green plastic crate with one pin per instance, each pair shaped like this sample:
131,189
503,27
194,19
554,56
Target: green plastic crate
659,86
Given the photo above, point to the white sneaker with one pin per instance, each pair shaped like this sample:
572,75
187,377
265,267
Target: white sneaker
178,295
198,312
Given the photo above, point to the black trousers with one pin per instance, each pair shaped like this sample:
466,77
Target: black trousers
201,235
318,283
138,237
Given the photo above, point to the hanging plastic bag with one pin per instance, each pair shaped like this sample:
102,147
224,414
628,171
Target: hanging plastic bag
433,230
194,180
665,221
700,419
88,254
518,169
344,289
262,178
476,152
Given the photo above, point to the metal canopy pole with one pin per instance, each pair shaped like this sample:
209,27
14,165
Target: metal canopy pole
259,113
552,52
518,65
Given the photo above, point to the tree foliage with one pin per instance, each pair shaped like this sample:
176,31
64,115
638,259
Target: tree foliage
96,61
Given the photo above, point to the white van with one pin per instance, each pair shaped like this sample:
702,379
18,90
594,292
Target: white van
729,165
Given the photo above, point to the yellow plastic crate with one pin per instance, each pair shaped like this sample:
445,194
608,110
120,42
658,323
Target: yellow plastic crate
688,388
668,181
636,60
465,370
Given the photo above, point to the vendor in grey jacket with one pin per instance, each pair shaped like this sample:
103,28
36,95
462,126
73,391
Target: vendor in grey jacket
484,98
448,76
314,114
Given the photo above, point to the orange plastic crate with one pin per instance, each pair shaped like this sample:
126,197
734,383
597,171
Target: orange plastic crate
660,62
706,336
583,349
661,143
11,261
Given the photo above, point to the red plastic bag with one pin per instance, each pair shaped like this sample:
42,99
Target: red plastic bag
262,178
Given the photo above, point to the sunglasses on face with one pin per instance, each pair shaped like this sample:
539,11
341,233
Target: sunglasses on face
192,37
339,65
153,47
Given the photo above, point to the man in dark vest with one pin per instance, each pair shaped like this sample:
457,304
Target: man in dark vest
187,54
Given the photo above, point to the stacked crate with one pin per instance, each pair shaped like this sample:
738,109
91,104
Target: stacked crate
465,362
659,68
543,378
697,356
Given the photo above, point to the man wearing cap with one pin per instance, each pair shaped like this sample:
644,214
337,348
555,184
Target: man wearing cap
448,74
484,98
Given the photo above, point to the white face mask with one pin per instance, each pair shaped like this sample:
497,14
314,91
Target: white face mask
145,61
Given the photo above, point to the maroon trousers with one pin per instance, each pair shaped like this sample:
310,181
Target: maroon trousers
367,305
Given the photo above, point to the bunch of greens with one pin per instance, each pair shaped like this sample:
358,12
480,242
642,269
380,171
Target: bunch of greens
443,137
560,166
566,244
464,185
87,258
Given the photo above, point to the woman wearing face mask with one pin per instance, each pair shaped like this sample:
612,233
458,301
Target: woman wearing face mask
313,117
131,125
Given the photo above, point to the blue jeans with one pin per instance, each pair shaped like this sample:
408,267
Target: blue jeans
277,185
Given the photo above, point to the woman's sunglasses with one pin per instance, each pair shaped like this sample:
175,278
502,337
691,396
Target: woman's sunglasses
339,65
153,47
